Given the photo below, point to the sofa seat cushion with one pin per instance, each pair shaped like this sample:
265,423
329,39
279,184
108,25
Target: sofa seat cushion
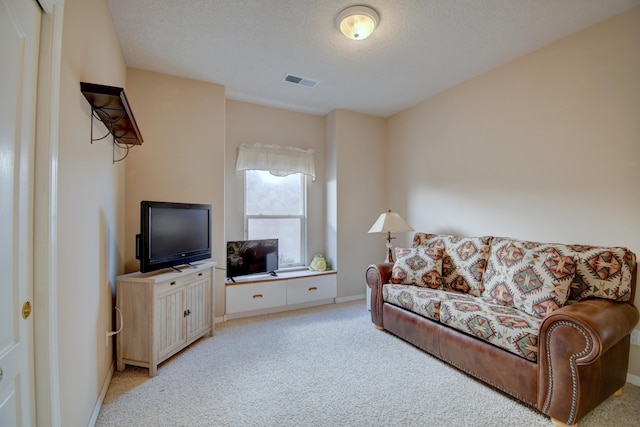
504,327
421,301
464,259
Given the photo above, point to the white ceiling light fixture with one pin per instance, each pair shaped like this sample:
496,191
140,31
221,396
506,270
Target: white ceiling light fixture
357,22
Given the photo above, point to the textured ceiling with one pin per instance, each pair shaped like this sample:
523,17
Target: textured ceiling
420,48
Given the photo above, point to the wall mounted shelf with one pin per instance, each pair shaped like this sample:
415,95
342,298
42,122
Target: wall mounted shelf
109,104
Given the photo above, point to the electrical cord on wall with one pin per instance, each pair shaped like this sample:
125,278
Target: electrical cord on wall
112,333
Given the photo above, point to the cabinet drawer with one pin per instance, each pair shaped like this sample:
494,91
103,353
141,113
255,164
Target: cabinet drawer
311,289
256,296
176,282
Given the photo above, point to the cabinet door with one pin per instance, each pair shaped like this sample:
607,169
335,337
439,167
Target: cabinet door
198,307
170,309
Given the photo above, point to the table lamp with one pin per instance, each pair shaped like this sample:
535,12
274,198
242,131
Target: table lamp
389,222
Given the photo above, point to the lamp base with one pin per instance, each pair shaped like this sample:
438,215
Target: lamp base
389,258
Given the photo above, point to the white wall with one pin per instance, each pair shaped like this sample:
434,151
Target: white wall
90,212
544,148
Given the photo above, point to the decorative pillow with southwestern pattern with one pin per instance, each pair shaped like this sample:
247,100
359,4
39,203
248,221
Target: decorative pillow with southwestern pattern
464,259
417,266
602,272
532,277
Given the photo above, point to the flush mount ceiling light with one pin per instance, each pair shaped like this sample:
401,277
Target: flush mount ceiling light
357,22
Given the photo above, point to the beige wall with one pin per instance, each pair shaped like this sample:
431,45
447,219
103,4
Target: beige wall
90,212
356,188
543,148
249,124
182,157
344,200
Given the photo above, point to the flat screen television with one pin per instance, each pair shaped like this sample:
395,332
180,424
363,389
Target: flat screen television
172,234
252,257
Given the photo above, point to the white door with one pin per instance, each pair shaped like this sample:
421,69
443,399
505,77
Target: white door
19,39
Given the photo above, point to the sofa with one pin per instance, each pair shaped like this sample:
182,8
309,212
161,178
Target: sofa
546,323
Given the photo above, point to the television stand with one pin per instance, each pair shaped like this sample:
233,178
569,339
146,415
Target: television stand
162,314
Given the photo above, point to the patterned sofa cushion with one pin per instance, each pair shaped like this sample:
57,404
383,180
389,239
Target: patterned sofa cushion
504,327
534,278
603,272
464,259
417,266
425,302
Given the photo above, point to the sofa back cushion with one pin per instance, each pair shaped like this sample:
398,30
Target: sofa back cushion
417,266
464,259
534,278
604,272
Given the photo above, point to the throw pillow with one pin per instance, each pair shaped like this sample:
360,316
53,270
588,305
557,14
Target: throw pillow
604,273
464,260
534,281
417,266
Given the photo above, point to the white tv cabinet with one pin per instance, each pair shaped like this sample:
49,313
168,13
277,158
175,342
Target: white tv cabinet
162,313
261,294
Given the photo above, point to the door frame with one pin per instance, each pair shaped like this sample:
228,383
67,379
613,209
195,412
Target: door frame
47,382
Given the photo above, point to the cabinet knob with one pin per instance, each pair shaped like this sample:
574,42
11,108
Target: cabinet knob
172,283
313,288
257,296
187,312
0,374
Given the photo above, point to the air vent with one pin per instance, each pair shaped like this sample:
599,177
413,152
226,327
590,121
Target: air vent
299,81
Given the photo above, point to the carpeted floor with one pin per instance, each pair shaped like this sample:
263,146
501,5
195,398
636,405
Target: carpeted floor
323,366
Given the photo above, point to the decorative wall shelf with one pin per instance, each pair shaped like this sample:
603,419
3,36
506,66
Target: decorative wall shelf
109,104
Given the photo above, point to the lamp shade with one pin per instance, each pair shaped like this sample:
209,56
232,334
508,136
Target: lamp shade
389,222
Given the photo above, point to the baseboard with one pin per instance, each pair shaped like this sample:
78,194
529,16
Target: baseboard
352,298
103,393
633,379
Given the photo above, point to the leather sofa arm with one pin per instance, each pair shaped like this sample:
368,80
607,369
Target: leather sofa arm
605,321
377,275
583,356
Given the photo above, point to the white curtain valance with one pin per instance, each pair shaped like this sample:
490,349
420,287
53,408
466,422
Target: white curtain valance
278,160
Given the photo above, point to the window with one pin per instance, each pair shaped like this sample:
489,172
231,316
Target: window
276,207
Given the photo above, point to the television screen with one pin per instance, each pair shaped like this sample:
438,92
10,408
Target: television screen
173,234
252,257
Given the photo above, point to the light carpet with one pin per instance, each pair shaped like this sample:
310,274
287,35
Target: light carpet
322,366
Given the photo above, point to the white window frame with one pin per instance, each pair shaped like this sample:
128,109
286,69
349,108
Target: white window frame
303,222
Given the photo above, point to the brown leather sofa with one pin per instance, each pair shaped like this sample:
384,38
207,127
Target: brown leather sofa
583,346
